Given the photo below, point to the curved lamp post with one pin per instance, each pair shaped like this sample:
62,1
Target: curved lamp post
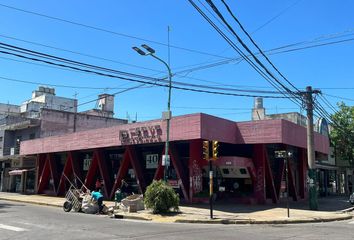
165,115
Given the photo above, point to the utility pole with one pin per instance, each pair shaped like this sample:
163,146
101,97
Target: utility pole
312,181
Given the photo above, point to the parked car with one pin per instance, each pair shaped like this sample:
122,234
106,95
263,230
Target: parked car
351,198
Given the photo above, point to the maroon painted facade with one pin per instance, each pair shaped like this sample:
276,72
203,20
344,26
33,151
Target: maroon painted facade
245,145
187,127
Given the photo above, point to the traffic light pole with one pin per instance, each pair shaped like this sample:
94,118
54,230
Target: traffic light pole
207,148
211,188
287,184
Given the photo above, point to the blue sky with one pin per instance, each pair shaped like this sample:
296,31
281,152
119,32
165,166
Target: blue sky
326,67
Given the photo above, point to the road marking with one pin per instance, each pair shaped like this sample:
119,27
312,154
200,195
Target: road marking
16,229
352,222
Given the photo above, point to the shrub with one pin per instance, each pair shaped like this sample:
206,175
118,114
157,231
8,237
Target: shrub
160,197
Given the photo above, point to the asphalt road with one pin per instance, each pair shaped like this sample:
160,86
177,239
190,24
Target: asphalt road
25,221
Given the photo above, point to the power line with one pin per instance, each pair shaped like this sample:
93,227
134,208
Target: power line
213,64
254,43
65,60
327,103
108,31
216,10
231,43
273,51
338,97
223,108
276,16
236,48
76,63
80,53
57,85
256,30
131,79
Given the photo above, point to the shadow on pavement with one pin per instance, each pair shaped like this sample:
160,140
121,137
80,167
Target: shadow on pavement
329,204
9,205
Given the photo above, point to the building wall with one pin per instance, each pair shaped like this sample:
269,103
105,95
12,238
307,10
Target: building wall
6,109
187,127
9,138
45,98
278,131
292,117
60,122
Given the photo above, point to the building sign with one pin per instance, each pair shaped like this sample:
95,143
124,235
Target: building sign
148,134
152,161
87,162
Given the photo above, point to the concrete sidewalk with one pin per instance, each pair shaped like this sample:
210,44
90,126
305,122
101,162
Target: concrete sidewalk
330,209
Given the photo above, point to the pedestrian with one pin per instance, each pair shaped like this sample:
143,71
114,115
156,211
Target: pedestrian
98,197
125,188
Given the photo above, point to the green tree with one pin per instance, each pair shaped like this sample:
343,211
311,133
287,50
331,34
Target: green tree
342,134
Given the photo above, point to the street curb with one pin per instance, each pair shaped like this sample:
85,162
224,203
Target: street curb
211,221
348,210
253,221
31,202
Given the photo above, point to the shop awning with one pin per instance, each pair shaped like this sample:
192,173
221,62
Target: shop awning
19,171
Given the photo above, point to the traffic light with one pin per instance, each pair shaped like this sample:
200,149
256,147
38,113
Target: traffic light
206,150
215,148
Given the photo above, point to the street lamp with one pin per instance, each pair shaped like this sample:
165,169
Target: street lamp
165,115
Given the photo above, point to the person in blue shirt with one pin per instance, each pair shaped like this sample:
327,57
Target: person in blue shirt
98,197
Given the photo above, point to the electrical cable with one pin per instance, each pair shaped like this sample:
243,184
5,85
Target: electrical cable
57,85
65,60
51,57
79,53
254,43
216,10
109,31
135,80
236,48
343,98
273,51
328,103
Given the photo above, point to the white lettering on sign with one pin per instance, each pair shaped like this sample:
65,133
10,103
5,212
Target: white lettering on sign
152,161
141,135
87,162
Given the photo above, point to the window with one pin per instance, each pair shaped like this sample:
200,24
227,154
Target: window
1,139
